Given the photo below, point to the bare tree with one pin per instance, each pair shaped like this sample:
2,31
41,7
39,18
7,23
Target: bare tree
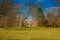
58,17
33,10
57,1
8,14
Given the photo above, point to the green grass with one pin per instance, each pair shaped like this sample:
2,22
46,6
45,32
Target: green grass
41,33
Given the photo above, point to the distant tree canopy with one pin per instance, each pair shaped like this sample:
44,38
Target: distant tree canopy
8,17
57,1
39,17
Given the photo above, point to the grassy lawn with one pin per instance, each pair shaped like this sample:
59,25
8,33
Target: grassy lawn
41,33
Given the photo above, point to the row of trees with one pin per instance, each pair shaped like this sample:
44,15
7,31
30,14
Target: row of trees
49,20
10,16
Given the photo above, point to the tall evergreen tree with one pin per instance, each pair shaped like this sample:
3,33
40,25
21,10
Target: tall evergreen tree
39,17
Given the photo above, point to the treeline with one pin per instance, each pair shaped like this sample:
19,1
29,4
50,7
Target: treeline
48,20
10,16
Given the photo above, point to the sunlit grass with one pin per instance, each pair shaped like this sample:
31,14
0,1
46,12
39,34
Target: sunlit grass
41,33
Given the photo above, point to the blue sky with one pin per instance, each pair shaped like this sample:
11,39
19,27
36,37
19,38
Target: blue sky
46,3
